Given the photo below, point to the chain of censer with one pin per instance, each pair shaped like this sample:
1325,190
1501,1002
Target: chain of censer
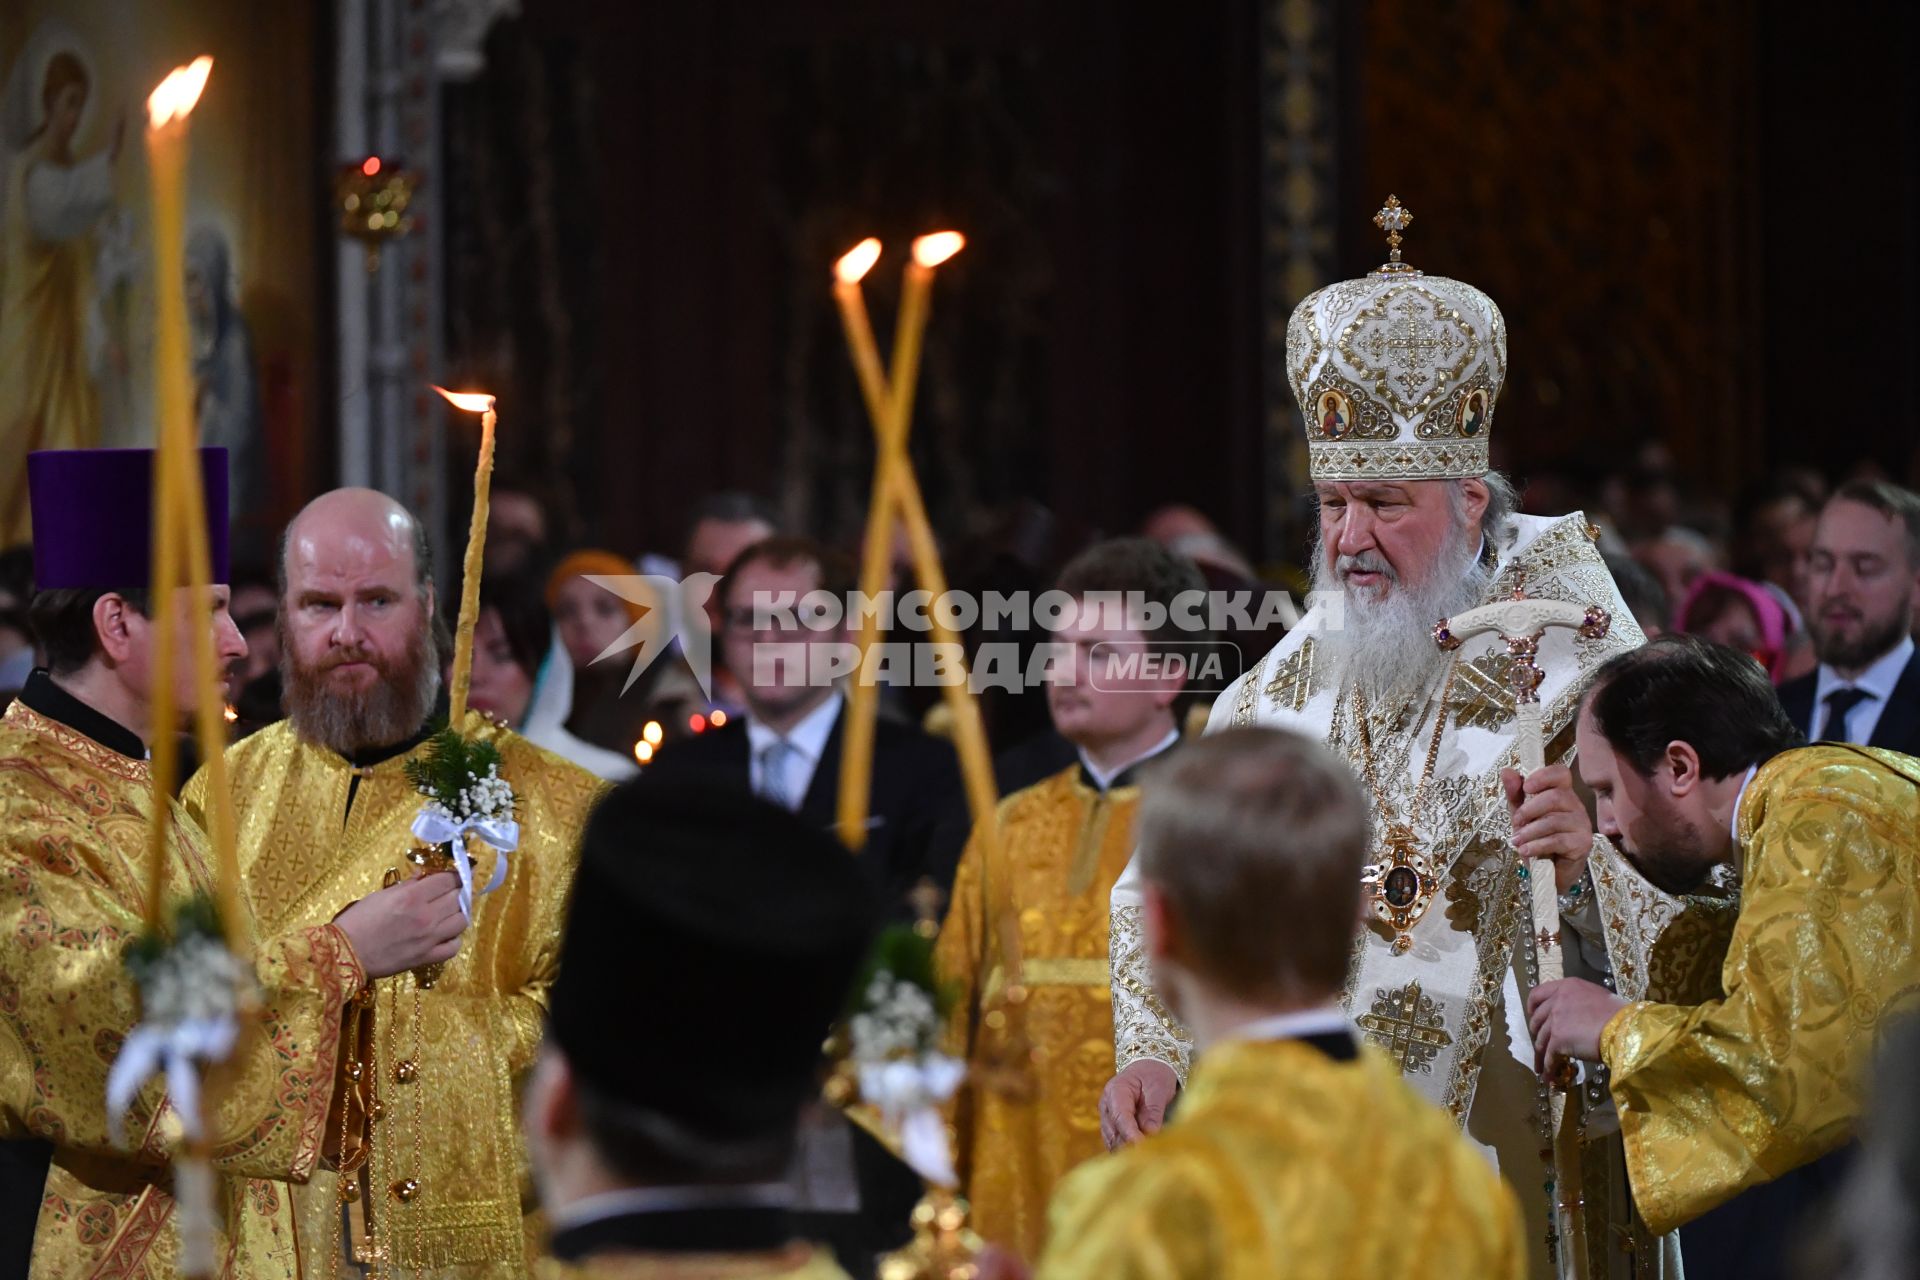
1433,748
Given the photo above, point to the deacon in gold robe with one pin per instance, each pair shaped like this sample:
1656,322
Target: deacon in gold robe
1296,1151
1033,918
1688,754
76,807
324,810
657,1164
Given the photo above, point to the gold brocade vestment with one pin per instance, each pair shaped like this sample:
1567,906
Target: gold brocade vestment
1720,1096
73,885
1063,844
316,834
1281,1161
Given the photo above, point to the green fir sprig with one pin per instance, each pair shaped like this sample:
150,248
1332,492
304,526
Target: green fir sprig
904,955
197,917
449,765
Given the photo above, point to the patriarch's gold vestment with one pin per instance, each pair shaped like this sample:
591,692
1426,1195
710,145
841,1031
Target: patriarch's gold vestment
317,833
74,817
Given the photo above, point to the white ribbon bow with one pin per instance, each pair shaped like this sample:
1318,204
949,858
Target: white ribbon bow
909,1093
436,826
173,1049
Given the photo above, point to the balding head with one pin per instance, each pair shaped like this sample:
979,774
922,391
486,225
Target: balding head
358,661
362,525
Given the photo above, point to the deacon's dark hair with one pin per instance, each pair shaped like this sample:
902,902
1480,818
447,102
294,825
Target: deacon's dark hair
1123,568
62,622
781,550
1140,566
1891,501
1681,688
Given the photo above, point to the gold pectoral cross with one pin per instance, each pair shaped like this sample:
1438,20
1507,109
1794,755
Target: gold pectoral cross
1400,886
1406,1023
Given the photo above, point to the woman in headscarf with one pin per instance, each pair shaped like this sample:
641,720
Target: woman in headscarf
589,618
1754,617
513,642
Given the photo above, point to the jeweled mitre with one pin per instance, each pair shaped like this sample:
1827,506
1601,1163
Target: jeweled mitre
1397,372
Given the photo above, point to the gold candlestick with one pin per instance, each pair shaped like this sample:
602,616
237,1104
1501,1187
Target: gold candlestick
482,403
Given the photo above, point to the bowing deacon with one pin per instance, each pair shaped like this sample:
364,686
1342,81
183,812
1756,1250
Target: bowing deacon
76,805
1693,763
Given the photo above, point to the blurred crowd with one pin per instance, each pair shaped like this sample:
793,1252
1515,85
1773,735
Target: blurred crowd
554,647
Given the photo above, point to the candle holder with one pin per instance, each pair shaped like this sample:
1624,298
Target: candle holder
943,1247
372,197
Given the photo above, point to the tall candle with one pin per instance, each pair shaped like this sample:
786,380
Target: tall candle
180,534
856,775
969,731
462,677
889,400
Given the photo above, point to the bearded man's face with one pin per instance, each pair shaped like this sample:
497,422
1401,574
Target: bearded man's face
1398,558
358,658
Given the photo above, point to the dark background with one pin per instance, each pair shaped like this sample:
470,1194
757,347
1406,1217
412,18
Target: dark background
1696,218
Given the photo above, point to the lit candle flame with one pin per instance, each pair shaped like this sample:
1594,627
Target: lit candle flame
718,718
652,733
932,250
175,95
857,261
471,401
642,751
232,713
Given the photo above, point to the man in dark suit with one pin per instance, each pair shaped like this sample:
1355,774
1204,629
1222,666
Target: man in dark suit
1863,577
786,750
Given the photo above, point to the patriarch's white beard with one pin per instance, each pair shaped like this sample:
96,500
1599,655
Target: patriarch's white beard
1384,646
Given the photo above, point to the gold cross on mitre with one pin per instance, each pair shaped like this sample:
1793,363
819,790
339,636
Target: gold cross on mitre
1393,218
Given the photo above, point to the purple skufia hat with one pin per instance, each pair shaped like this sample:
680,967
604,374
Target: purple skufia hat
93,516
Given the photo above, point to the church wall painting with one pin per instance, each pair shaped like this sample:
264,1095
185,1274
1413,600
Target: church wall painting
76,284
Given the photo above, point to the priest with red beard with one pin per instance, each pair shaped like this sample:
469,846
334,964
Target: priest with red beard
325,810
